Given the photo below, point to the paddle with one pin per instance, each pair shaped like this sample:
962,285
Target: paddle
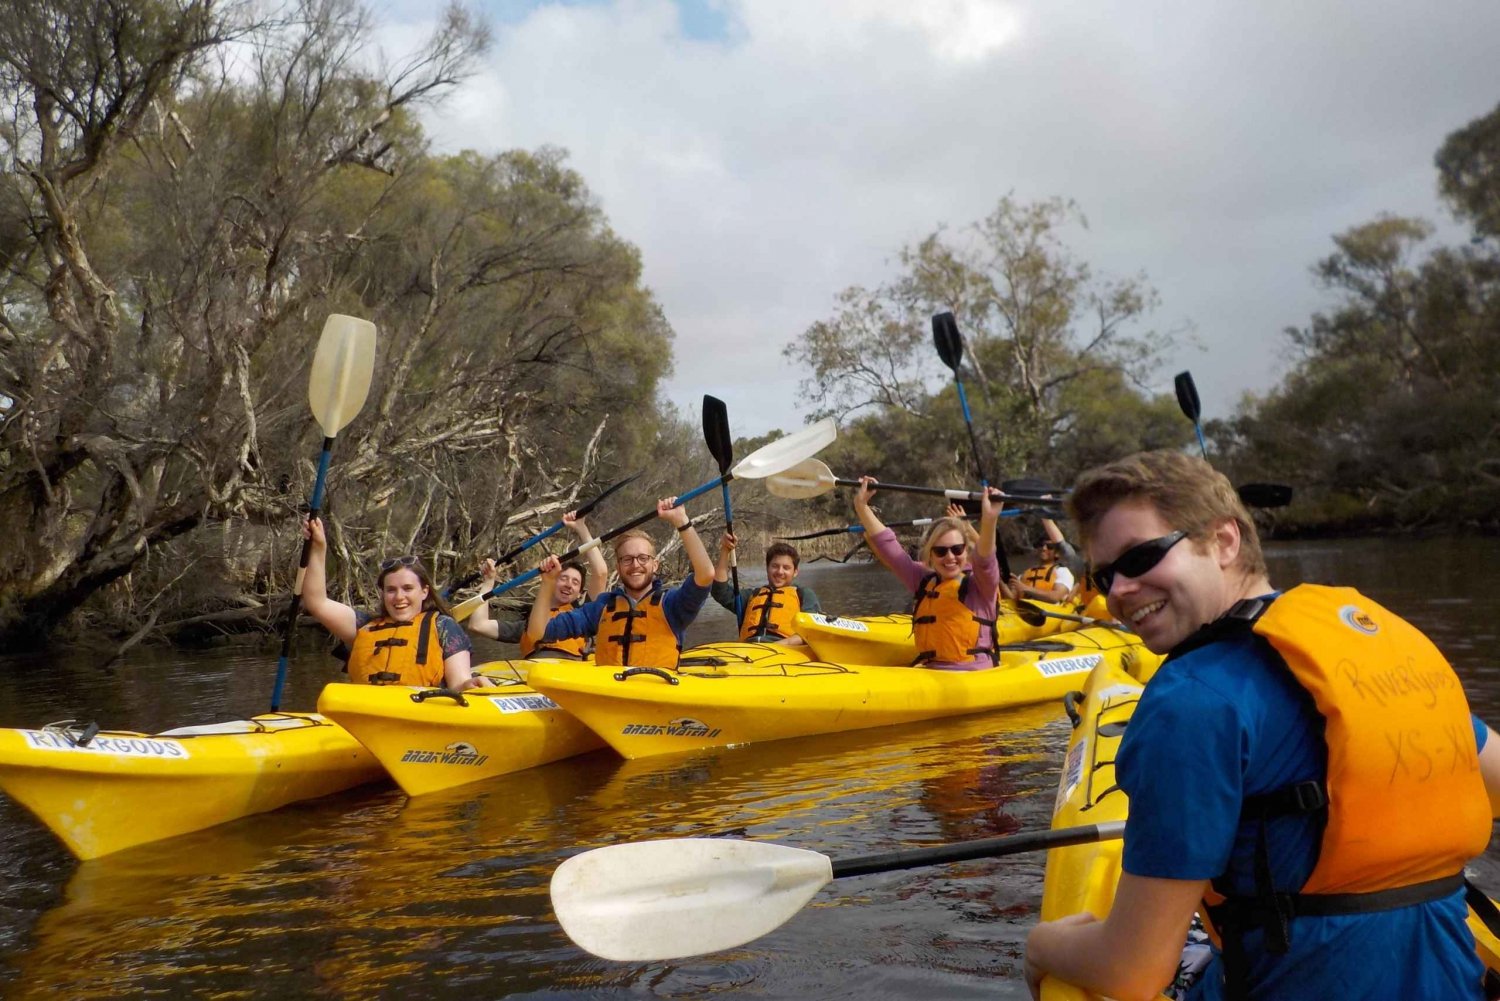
813,478
1253,494
546,533
342,369
653,900
716,435
914,523
1187,399
764,461
1265,494
1034,616
950,348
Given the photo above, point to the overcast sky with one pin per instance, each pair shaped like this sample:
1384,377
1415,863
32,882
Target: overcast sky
766,154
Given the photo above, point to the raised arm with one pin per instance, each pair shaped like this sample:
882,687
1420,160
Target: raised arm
335,616
597,581
727,543
668,510
541,608
479,622
862,509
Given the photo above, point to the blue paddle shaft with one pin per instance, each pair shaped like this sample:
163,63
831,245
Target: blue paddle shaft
314,506
535,572
963,399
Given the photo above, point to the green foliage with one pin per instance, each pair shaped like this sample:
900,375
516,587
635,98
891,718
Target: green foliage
1054,358
1389,416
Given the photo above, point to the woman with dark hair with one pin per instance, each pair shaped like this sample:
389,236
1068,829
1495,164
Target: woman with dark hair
411,641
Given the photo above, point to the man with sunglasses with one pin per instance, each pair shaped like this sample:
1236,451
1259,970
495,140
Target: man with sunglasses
1283,767
1049,580
640,622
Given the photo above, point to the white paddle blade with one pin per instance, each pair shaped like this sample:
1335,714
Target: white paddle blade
467,607
808,478
651,900
786,451
341,371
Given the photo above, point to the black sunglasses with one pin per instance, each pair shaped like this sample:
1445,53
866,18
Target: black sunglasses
957,549
400,561
1136,560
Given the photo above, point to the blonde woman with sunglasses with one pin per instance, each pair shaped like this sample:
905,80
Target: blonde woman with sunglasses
955,585
411,641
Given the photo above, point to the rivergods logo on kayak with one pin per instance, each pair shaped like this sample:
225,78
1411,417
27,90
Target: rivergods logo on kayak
682,726
130,747
460,752
1068,665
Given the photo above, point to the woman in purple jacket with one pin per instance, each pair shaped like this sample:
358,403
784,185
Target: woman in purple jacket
955,586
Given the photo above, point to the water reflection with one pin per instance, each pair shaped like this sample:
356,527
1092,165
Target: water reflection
372,894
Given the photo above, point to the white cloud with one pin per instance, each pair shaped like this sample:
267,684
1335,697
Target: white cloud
1216,147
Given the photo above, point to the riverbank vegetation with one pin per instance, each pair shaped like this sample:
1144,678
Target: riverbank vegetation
191,186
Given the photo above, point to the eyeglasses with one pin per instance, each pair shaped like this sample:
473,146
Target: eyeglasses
640,561
957,549
400,561
1136,560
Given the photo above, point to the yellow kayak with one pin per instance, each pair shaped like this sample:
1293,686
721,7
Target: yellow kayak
116,789
429,742
887,639
1083,877
725,694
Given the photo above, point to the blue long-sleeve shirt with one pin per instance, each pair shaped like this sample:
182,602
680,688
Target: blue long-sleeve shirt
680,605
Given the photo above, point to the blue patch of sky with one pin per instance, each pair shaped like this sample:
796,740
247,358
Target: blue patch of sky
699,20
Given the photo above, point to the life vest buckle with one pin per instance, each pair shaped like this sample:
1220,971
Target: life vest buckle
1309,796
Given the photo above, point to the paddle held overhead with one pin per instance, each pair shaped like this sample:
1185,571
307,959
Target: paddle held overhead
770,458
342,369
653,900
813,478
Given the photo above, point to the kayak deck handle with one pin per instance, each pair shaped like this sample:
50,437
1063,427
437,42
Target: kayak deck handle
439,693
1070,706
631,672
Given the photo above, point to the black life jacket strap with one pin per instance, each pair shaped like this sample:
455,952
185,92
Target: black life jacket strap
424,637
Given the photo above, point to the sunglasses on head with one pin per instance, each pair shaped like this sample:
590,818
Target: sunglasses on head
400,561
957,549
1136,560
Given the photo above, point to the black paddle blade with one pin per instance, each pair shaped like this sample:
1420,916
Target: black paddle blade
716,432
812,535
1030,614
950,343
1030,485
1266,494
585,509
1187,396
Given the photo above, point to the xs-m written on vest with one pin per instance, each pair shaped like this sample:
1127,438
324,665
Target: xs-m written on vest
635,633
1404,802
387,652
770,612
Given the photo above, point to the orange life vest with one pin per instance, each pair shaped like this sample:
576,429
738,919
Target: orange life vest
944,628
387,652
769,613
1088,601
1405,803
573,648
1039,576
632,634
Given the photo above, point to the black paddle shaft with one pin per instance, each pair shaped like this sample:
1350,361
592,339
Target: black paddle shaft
965,851
716,436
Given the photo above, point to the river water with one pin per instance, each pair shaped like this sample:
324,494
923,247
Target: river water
372,894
